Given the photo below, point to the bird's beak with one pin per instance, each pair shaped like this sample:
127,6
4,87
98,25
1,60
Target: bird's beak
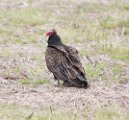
48,33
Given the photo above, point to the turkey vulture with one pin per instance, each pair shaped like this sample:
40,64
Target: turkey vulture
63,61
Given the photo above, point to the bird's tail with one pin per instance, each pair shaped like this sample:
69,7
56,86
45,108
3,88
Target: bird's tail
80,81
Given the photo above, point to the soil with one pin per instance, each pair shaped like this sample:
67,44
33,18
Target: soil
49,95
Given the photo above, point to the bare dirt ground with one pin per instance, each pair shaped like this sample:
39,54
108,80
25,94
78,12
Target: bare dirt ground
22,56
48,95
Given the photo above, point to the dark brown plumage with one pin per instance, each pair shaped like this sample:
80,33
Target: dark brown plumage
63,61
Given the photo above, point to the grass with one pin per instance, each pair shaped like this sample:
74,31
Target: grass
11,112
109,115
28,16
34,83
6,53
118,69
95,72
89,25
94,28
107,71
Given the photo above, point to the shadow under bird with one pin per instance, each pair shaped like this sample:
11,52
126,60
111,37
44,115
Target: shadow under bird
64,62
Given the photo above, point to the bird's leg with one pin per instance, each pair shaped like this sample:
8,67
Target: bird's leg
58,82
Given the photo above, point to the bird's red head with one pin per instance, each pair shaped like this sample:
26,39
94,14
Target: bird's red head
51,32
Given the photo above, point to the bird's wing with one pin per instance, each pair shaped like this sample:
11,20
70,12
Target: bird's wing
73,55
59,65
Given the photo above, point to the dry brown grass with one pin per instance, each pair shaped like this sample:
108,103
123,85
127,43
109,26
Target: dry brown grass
99,29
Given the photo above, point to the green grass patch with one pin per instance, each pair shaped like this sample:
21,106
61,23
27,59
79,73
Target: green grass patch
26,81
18,112
120,54
85,7
34,83
107,115
124,23
11,112
118,68
117,53
108,23
126,7
6,53
96,28
95,72
6,31
26,17
114,22
15,112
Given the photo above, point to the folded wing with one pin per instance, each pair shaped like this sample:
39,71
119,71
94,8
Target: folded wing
64,63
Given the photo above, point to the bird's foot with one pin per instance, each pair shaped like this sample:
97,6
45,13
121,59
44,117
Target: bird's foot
58,84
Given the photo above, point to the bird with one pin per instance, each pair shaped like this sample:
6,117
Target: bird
64,62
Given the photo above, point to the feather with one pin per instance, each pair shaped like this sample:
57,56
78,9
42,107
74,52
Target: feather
64,62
